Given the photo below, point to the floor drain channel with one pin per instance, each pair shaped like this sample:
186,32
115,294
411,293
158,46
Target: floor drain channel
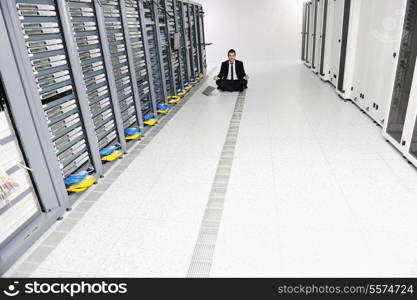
202,258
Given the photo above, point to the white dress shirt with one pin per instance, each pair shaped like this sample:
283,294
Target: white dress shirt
229,75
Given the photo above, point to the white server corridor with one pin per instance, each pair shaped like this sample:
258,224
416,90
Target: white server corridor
315,190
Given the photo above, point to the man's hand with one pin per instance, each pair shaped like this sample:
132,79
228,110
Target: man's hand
216,78
246,77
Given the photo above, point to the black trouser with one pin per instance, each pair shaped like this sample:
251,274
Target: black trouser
232,85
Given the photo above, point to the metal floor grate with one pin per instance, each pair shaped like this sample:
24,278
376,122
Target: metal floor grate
203,254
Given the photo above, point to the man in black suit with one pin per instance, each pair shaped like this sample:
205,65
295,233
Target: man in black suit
232,76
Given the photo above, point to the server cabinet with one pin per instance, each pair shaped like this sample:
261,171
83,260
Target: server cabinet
375,63
328,32
195,47
168,61
173,41
401,117
336,41
116,30
153,41
184,43
313,35
188,36
348,55
95,62
308,50
304,32
322,49
318,37
201,40
141,63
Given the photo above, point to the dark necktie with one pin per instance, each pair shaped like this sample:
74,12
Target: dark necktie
233,77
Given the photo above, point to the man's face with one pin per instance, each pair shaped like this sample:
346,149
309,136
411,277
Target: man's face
232,57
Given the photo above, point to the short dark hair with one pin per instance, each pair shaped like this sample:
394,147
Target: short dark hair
231,51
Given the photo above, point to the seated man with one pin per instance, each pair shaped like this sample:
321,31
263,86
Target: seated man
232,76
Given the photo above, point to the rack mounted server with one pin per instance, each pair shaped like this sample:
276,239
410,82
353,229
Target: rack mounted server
81,80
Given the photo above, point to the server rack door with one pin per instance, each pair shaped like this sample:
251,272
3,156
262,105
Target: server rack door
336,40
349,52
361,77
383,41
308,33
404,77
348,43
318,36
323,23
328,41
314,34
303,33
144,82
117,38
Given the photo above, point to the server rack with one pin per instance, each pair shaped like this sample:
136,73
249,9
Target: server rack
165,16
195,49
304,32
313,31
95,62
175,47
375,62
328,32
188,36
308,34
154,41
184,46
201,40
319,9
336,41
137,35
116,27
400,128
349,44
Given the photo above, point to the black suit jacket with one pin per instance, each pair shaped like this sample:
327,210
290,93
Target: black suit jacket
224,70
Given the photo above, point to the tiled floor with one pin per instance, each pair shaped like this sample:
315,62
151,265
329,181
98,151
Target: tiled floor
314,191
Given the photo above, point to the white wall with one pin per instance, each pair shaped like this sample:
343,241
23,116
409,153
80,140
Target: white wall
259,30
